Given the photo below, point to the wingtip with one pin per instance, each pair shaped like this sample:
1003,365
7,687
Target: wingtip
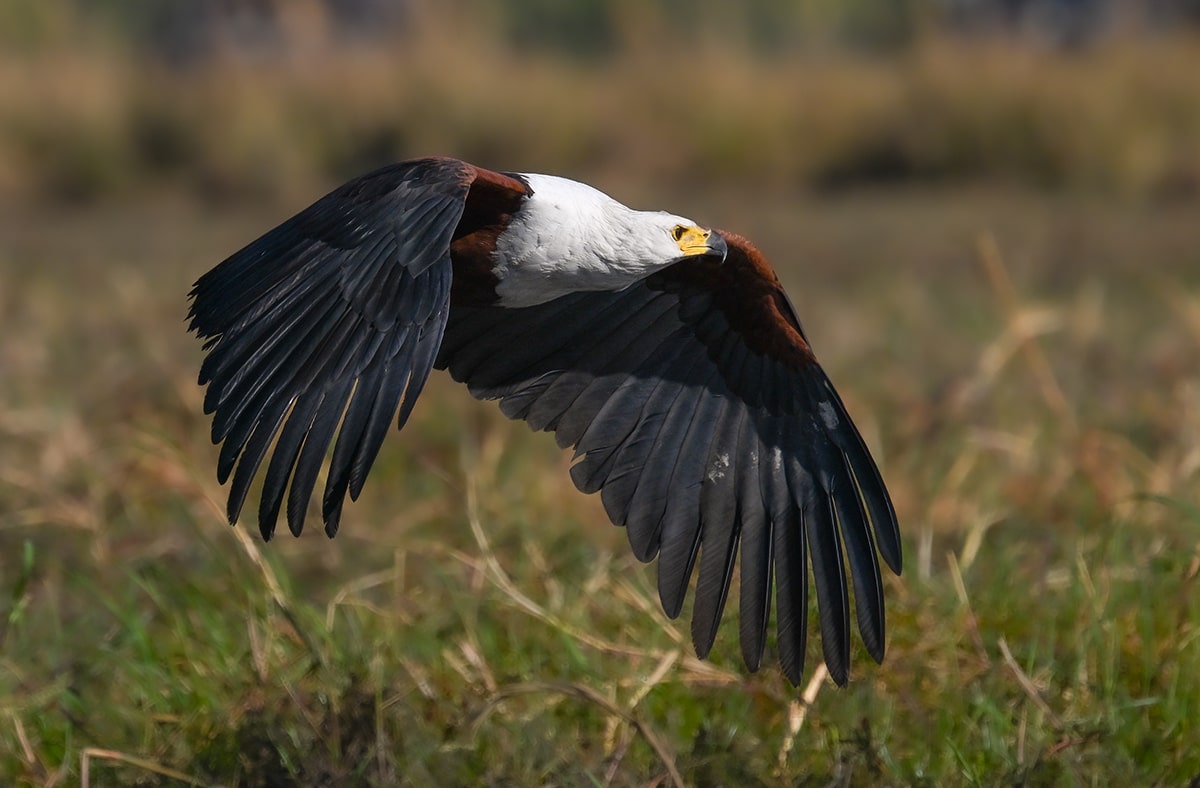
839,672
295,517
703,644
890,549
268,516
835,648
332,516
754,646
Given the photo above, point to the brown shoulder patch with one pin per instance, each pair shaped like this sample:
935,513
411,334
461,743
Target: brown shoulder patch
492,200
746,289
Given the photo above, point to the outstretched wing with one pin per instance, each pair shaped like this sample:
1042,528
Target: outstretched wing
697,410
334,316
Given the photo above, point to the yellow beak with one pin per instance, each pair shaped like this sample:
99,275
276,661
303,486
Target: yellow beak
699,241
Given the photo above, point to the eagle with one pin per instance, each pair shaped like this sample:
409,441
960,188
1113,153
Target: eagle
665,354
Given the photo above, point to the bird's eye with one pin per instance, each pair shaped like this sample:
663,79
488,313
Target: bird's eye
678,231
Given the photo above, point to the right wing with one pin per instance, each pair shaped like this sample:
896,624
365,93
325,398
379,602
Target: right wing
698,412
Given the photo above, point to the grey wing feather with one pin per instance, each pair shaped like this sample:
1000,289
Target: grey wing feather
698,446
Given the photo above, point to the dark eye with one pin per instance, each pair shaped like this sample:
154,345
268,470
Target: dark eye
678,232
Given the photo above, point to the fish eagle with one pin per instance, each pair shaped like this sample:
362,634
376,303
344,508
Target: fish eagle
665,354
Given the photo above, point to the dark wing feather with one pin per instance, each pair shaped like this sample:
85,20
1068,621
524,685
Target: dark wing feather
697,410
334,317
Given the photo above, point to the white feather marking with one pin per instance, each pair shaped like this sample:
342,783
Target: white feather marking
717,469
828,415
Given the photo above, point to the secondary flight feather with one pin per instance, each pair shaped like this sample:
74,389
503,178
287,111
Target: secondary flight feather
665,354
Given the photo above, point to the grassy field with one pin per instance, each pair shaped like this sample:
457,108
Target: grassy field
995,251
1025,365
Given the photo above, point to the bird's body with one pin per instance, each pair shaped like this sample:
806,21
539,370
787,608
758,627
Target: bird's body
666,354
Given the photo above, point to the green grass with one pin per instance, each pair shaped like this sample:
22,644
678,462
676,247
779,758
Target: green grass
478,621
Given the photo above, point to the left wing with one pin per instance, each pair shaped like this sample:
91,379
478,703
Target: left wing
333,316
698,411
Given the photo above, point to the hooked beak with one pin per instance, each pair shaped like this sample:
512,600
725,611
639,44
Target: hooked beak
717,245
698,241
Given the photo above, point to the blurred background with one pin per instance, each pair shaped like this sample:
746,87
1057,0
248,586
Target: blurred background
986,211
254,98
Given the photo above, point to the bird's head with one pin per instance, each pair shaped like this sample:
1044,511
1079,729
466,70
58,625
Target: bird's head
675,238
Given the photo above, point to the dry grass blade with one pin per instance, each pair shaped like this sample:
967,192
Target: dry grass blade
495,572
616,749
590,695
797,713
90,753
960,588
31,759
277,596
270,580
345,595
1027,684
1006,294
664,666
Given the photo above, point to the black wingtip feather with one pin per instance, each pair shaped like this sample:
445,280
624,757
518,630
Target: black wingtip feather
312,454
720,528
864,566
355,283
882,512
829,579
791,599
283,460
681,522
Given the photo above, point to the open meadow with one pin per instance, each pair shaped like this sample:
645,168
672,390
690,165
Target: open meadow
1022,354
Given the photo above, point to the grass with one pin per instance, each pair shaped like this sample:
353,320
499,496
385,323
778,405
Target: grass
1025,366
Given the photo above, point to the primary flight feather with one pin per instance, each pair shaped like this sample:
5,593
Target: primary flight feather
666,354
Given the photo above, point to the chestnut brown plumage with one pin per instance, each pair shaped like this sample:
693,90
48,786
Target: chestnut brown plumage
691,397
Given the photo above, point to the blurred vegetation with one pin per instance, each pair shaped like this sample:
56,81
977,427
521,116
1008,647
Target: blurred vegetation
988,224
681,93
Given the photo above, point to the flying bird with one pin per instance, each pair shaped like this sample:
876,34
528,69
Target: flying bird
664,353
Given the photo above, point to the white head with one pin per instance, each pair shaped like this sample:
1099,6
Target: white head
571,237
659,239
